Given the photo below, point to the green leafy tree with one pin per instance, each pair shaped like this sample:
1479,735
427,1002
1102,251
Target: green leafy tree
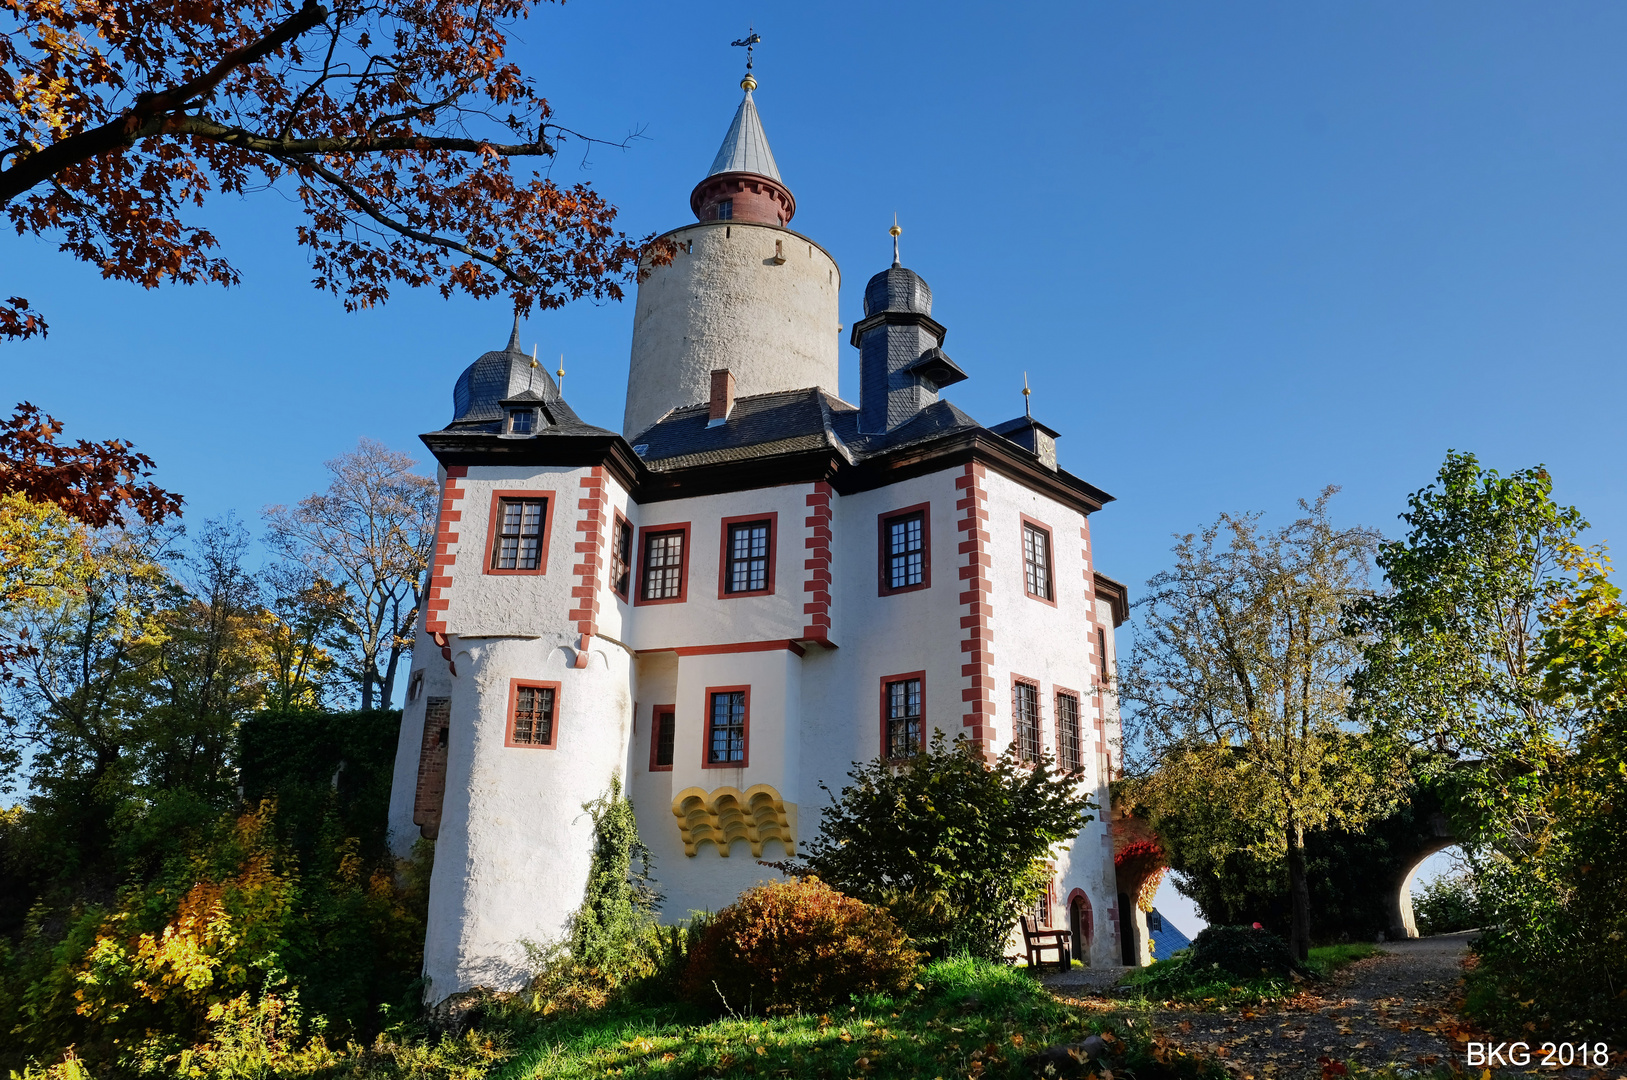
1237,688
1498,646
1452,639
953,844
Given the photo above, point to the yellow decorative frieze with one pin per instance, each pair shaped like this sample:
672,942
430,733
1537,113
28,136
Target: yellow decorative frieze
729,814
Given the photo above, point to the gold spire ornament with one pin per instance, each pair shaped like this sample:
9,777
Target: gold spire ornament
561,374
1026,392
896,233
749,83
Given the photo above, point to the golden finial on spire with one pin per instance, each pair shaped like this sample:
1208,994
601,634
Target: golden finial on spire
561,374
896,233
749,83
534,354
1026,392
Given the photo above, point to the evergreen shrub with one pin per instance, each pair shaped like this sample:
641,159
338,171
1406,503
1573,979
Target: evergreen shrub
1448,904
797,945
1243,952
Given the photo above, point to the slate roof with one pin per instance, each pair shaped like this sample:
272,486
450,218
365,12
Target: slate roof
786,422
745,147
1167,937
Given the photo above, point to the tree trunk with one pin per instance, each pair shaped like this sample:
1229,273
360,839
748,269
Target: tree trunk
1299,890
387,692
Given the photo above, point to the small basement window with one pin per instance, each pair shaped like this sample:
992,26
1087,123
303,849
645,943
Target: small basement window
531,715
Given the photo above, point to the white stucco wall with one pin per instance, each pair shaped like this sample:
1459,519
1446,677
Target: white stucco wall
512,858
484,604
705,617
513,853
724,302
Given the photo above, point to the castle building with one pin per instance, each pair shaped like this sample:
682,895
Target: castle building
753,586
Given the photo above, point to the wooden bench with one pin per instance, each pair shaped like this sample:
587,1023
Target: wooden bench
1038,942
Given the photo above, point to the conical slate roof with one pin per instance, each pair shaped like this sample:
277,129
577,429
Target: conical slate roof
745,147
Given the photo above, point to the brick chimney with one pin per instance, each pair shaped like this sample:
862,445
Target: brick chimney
722,397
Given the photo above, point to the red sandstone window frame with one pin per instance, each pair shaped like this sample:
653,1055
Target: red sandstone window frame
644,535
1101,654
773,520
1039,719
1057,694
882,568
1050,558
1045,903
656,713
618,523
514,686
745,735
492,538
886,742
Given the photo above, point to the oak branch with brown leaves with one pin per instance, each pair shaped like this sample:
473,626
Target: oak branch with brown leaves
397,122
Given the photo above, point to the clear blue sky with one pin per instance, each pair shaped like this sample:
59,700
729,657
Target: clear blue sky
1242,250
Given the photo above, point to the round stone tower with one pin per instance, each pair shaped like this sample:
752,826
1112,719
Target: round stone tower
743,293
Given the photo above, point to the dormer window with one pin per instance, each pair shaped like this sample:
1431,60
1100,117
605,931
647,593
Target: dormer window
522,421
725,210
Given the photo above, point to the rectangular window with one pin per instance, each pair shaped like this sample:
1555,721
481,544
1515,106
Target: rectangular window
1025,719
906,539
532,716
1037,561
746,560
725,210
664,719
726,726
621,556
1069,752
519,536
1101,651
520,421
1042,907
665,559
901,716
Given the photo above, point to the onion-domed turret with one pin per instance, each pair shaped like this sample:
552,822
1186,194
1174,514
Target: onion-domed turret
902,365
498,376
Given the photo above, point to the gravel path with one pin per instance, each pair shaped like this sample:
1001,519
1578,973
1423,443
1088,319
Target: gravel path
1390,1009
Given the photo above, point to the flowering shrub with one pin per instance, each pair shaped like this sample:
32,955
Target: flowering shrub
1244,952
797,944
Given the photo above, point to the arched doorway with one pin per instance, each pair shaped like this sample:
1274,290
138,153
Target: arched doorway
1127,932
1403,923
1436,835
1082,923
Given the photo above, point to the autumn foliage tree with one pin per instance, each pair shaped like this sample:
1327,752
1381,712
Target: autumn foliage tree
1238,687
394,124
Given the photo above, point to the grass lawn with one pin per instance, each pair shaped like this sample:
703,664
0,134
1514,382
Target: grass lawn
1175,979
967,1019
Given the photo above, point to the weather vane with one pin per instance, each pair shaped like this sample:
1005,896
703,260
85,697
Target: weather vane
751,40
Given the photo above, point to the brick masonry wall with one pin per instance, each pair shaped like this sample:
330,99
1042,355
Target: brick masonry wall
588,550
816,610
978,645
431,793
